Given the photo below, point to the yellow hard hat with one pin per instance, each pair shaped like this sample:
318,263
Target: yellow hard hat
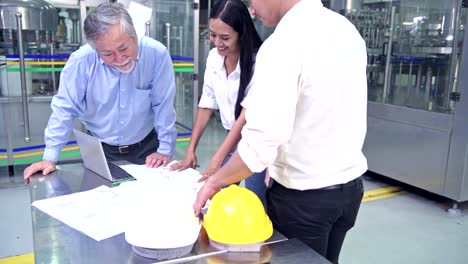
236,216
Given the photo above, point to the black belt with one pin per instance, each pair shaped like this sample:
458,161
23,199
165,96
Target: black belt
340,186
354,182
124,149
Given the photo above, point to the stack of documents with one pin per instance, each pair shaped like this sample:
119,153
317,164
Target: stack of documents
103,212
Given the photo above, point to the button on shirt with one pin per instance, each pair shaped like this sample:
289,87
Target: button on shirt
306,114
220,92
118,108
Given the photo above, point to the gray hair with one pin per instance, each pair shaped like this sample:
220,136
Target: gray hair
103,17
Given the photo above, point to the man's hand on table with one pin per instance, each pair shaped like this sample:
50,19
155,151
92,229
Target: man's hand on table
46,166
204,194
157,160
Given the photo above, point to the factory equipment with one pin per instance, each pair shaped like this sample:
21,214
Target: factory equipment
175,24
36,39
27,37
416,119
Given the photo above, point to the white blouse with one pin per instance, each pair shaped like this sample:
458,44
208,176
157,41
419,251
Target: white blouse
220,91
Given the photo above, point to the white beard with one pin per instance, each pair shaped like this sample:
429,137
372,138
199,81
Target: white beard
125,62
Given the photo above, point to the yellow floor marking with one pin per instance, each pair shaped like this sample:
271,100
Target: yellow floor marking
383,196
384,190
21,259
382,193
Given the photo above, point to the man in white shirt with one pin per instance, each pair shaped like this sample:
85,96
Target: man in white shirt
306,122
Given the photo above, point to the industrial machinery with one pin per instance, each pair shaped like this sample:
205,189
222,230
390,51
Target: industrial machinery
27,45
417,129
36,39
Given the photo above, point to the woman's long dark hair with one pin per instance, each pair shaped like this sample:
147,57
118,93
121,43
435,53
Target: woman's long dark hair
235,14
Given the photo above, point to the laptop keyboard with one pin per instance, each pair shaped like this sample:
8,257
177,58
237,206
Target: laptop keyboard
117,172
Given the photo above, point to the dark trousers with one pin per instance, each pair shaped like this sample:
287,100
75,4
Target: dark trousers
135,153
320,218
256,183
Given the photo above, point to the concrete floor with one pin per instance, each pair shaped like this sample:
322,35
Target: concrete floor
413,227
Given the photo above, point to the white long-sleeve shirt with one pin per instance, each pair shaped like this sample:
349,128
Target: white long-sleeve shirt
306,113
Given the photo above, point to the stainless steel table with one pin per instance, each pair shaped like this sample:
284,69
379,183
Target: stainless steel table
55,242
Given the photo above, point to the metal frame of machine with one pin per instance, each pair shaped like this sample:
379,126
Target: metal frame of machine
417,129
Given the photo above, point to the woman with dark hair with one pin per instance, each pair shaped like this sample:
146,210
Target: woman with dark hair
228,75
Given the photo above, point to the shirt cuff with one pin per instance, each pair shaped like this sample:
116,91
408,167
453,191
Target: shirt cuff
205,102
250,157
164,149
51,154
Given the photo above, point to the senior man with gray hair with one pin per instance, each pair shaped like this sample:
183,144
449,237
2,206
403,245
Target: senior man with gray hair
122,89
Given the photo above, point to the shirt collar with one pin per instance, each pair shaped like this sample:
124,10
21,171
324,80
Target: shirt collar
220,65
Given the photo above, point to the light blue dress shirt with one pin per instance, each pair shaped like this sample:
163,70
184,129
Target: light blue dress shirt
118,108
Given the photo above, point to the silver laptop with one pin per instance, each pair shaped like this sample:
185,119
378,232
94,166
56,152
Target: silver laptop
94,159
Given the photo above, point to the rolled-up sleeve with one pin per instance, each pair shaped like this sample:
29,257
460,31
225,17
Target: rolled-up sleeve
270,108
208,98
